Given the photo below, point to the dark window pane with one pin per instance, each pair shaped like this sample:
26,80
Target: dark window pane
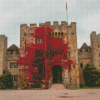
61,34
15,77
52,33
81,65
13,65
55,34
58,34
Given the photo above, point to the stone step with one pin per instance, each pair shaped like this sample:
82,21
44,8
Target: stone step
57,87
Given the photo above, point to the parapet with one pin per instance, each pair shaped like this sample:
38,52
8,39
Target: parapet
2,37
33,25
73,24
93,33
23,25
41,24
64,23
48,23
55,23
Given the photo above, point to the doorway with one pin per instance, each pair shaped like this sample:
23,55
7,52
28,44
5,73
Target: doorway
57,74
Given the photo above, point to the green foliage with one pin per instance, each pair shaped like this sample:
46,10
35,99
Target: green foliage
6,80
25,83
91,76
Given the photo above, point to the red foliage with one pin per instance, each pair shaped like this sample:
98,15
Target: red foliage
53,51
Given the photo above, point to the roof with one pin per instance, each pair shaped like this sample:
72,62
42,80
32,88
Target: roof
13,48
85,46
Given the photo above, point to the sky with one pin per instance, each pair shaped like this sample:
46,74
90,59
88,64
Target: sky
13,13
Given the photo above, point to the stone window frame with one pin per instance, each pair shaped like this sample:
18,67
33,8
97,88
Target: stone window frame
38,40
14,65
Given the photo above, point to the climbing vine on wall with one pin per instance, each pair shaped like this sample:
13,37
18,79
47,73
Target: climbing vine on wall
41,55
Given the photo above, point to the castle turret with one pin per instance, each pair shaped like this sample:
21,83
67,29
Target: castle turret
3,50
95,46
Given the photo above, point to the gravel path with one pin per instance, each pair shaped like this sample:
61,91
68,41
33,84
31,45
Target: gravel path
51,94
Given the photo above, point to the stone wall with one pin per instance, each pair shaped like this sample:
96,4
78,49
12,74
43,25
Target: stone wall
3,50
12,58
85,57
69,36
95,46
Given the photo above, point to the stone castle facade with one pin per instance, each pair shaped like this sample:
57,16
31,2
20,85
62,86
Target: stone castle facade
80,57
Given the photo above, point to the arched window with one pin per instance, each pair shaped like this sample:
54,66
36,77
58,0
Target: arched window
55,34
81,65
49,33
52,33
58,34
61,34
98,46
69,67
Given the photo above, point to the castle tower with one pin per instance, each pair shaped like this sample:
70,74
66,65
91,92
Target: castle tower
69,35
95,46
72,40
3,50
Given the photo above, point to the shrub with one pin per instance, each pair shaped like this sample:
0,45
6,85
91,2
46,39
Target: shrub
91,75
6,80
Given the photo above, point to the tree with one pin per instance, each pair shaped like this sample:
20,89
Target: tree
91,75
6,80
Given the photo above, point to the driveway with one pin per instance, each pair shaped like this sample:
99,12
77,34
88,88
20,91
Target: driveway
51,94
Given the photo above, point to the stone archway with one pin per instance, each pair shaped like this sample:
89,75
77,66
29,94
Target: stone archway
57,74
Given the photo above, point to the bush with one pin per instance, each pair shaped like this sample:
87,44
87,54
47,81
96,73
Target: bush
6,80
91,76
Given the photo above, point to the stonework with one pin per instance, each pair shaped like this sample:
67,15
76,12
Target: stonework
3,51
70,36
86,54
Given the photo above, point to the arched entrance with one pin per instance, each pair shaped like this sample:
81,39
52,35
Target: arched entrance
57,74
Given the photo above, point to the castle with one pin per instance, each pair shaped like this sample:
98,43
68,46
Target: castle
72,76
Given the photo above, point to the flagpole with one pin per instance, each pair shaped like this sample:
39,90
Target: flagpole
66,11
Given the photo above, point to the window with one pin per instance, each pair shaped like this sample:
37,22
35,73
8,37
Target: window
39,40
99,54
39,53
55,34
58,34
98,46
13,65
99,63
61,34
69,67
49,33
52,33
15,78
81,65
68,54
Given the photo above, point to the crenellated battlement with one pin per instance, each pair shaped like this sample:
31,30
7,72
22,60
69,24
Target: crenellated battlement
33,25
95,36
55,23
